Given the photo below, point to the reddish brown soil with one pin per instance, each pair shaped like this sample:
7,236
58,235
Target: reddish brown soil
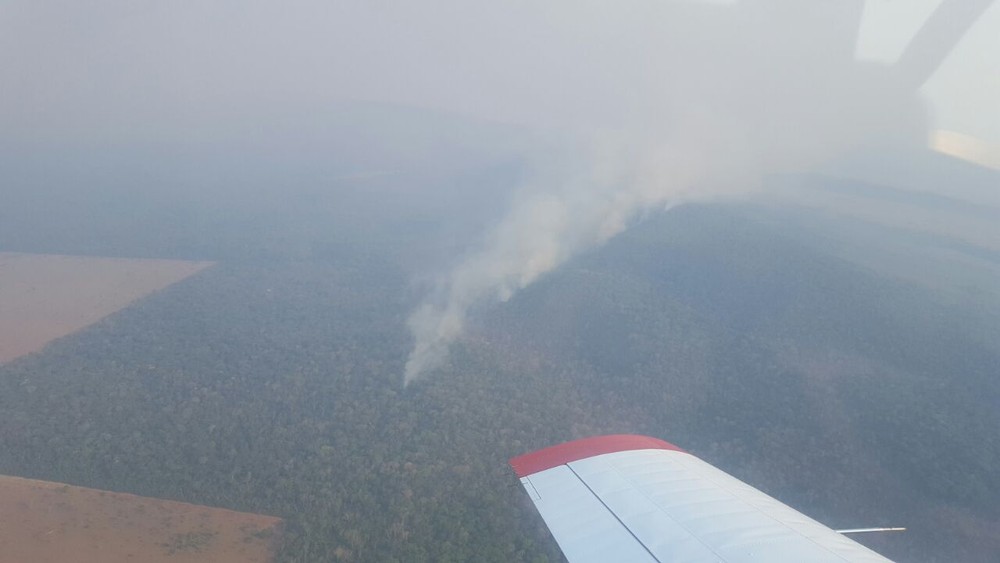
44,297
43,522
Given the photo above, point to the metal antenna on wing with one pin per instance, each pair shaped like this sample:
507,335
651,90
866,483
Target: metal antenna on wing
866,530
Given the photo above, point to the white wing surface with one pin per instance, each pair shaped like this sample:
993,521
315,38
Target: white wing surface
636,498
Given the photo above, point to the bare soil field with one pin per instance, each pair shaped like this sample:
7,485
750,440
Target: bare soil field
45,522
44,297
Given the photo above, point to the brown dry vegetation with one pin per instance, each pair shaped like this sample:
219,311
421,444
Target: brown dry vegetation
45,522
44,297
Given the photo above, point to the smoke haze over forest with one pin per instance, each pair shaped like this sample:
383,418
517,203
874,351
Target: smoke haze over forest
448,232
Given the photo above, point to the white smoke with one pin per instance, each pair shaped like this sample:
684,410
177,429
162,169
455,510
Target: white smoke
709,129
548,224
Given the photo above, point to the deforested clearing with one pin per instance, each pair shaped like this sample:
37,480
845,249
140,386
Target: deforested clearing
48,522
44,297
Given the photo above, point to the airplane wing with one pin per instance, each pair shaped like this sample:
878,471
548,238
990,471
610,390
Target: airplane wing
636,498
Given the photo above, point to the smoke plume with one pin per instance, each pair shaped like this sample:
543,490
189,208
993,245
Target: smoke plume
747,91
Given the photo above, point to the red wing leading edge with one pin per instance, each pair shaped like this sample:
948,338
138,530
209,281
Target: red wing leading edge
636,498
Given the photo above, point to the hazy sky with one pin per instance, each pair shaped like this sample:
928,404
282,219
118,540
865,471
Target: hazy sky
670,101
123,69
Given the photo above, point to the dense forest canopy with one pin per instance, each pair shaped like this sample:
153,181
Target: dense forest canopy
802,350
